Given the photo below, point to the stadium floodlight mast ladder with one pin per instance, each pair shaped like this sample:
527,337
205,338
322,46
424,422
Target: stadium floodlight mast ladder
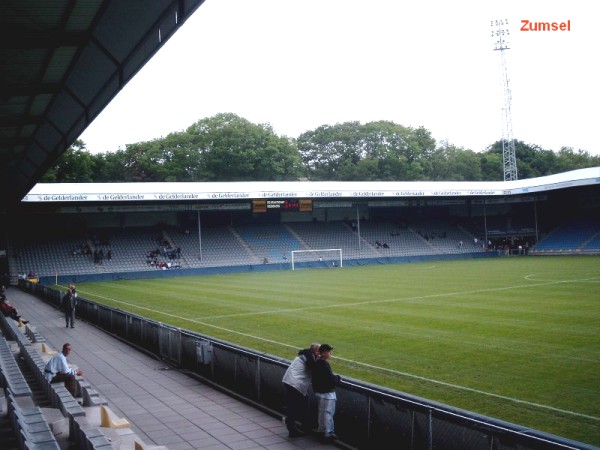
330,257
500,34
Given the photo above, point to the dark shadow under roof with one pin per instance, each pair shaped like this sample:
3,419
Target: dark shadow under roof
61,63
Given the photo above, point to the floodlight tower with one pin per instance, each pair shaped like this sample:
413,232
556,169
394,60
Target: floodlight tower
500,34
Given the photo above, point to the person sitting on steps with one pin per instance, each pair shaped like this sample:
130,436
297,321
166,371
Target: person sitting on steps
9,310
58,370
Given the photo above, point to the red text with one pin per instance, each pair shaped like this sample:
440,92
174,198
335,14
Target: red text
528,25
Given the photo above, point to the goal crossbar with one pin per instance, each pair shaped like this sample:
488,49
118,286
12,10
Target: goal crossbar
329,257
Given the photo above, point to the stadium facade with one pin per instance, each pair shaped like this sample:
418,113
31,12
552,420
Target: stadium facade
250,224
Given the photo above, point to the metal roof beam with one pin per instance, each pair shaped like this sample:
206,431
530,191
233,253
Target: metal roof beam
26,89
24,39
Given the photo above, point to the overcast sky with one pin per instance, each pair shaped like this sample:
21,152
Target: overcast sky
301,64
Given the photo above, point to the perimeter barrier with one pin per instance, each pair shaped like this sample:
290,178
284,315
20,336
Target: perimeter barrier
367,416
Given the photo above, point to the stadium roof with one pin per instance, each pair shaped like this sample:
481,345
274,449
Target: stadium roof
62,62
252,190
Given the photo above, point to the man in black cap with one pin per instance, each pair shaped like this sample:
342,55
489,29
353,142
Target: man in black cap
323,383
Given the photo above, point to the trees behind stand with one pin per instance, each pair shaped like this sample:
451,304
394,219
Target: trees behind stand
226,147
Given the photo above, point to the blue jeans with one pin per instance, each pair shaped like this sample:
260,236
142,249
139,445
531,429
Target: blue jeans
326,413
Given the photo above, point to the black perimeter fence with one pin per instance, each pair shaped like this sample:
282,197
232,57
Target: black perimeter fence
367,416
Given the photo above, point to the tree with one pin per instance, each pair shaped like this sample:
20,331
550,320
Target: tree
569,159
76,165
110,167
330,152
450,163
492,168
226,147
534,161
376,150
231,148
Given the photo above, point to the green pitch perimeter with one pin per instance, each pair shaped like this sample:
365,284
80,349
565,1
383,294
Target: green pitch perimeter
515,338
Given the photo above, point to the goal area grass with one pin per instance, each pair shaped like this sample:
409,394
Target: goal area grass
515,338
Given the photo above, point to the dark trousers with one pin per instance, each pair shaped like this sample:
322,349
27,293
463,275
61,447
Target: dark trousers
297,408
70,317
70,382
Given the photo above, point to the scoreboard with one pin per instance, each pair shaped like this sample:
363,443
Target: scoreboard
302,205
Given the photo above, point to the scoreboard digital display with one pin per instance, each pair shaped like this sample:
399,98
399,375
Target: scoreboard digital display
302,205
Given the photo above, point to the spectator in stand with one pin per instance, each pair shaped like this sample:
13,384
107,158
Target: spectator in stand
57,370
296,381
9,310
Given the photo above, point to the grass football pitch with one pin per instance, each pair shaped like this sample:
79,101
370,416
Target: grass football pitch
515,338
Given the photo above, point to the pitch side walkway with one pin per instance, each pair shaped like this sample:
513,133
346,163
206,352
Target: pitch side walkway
164,406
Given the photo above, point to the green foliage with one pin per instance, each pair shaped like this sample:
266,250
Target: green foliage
513,338
374,151
110,167
533,161
76,165
450,163
233,149
226,147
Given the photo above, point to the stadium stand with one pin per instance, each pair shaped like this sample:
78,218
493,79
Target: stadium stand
52,418
218,247
400,241
269,243
316,235
257,244
574,236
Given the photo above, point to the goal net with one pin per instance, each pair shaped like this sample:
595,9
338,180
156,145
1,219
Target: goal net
320,258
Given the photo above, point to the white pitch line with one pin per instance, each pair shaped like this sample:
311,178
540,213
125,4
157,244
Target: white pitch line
531,277
390,300
464,388
408,375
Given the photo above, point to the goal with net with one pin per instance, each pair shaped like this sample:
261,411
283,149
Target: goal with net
320,258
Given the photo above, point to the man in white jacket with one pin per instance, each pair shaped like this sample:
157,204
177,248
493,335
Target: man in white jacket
57,370
297,380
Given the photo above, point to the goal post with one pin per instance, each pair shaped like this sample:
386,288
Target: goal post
319,258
